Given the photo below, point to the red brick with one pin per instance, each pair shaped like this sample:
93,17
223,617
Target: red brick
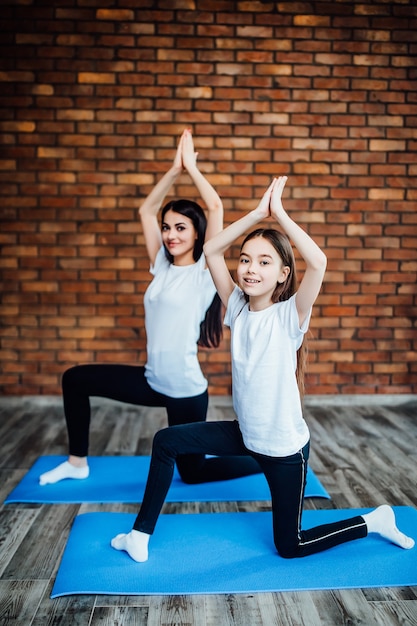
265,93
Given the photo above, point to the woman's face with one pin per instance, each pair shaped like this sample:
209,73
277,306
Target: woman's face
259,270
179,237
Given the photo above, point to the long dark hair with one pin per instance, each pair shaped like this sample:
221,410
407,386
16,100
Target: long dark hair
284,291
211,328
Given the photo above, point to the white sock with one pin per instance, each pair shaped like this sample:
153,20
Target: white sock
62,471
382,521
134,543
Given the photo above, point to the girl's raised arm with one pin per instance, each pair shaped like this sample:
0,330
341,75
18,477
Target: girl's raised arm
207,192
151,205
313,256
215,248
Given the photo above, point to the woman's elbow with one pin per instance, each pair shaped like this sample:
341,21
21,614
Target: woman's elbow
207,249
321,261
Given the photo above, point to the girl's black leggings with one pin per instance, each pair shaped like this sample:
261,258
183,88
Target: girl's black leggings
286,478
127,383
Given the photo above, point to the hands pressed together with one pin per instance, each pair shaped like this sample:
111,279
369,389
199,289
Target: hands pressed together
185,157
271,202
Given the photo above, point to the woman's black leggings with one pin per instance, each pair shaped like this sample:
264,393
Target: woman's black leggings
286,478
127,383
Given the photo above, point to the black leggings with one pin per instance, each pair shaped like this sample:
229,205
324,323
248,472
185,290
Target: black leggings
127,383
286,478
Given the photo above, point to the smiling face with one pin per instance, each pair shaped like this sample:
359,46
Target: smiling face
179,237
259,270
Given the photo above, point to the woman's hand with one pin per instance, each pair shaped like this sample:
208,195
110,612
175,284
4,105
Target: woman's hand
178,164
189,156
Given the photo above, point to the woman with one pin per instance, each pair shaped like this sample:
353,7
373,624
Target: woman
181,310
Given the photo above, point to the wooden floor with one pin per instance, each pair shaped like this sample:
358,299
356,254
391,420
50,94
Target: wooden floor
364,455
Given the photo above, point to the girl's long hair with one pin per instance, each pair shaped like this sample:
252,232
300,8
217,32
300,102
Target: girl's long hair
284,291
211,328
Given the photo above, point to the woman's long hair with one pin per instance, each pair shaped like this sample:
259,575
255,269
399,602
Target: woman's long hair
284,291
211,328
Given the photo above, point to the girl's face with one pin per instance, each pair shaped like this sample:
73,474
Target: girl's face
260,269
179,236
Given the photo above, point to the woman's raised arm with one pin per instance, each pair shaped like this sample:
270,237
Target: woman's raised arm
207,192
152,204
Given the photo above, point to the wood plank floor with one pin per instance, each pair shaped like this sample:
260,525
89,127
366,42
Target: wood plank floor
365,454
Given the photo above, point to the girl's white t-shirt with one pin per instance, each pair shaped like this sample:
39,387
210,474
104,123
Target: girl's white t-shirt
266,398
175,303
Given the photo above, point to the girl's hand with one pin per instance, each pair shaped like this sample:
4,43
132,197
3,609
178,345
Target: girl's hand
277,209
189,156
263,209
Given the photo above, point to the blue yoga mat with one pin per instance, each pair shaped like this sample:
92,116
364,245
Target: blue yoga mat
123,479
226,553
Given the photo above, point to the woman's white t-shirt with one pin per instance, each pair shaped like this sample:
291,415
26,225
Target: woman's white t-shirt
266,398
176,302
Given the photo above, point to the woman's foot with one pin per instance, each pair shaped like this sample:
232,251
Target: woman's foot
134,543
382,521
63,471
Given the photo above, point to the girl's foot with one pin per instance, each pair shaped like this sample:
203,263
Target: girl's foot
382,521
134,543
62,471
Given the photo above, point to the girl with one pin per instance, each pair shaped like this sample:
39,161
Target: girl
268,318
181,310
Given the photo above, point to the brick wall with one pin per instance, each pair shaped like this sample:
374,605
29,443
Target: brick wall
93,98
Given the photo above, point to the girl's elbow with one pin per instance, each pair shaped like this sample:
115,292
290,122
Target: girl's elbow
318,264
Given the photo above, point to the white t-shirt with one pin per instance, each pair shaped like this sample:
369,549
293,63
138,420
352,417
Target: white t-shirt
176,302
266,398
